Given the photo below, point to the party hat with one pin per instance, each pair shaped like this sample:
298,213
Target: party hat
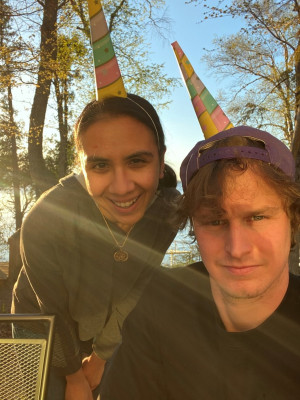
210,115
108,77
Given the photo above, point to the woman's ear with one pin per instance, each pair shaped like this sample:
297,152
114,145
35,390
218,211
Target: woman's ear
162,166
162,170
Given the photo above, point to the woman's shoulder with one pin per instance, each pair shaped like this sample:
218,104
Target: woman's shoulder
168,196
66,187
163,207
58,200
170,193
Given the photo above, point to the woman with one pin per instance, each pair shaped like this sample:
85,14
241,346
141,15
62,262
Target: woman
89,244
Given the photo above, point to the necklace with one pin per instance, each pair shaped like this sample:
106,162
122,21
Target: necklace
120,255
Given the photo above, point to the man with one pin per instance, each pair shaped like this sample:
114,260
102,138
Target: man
228,328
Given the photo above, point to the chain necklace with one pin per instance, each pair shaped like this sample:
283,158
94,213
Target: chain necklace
120,255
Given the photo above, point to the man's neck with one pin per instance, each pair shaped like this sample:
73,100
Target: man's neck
239,315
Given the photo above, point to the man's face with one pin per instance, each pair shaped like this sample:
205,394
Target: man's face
245,244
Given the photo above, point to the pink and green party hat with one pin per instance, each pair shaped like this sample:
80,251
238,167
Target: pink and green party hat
108,77
211,117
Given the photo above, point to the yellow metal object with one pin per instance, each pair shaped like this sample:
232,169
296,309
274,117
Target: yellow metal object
25,356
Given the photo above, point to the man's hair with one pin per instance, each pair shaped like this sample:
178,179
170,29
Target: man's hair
206,187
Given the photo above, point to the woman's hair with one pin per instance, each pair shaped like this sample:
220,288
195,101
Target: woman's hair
206,188
133,106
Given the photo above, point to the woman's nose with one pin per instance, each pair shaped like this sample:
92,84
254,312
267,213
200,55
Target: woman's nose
121,182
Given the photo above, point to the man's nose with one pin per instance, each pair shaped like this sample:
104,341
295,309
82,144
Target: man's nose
238,240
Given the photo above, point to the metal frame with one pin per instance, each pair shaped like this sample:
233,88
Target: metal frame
45,343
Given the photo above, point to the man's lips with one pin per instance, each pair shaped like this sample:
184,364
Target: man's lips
241,270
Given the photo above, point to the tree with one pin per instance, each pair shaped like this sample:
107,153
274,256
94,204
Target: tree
12,162
41,175
71,56
261,60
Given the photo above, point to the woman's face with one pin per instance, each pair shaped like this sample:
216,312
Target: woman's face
121,166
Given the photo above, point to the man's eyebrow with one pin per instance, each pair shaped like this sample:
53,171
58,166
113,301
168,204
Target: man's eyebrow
265,209
207,212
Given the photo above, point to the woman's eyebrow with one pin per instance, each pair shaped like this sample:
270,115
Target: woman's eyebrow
94,158
143,153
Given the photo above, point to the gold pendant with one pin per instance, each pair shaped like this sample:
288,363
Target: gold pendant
120,255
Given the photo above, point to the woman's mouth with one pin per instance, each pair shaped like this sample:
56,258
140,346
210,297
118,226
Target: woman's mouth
125,204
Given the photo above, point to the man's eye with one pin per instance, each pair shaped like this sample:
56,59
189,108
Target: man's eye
217,222
257,217
210,222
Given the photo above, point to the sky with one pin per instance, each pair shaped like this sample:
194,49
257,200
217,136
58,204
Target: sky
180,123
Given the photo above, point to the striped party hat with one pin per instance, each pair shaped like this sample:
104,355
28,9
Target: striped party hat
108,77
211,117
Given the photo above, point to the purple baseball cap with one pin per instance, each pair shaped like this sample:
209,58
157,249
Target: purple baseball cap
275,152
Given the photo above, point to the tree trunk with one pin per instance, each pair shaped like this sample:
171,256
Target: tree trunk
41,177
294,261
15,163
296,142
62,112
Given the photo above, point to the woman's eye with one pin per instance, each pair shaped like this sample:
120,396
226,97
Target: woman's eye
100,166
137,161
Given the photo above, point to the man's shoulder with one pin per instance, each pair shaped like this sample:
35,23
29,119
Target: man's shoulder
189,274
292,298
294,280
175,284
172,301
